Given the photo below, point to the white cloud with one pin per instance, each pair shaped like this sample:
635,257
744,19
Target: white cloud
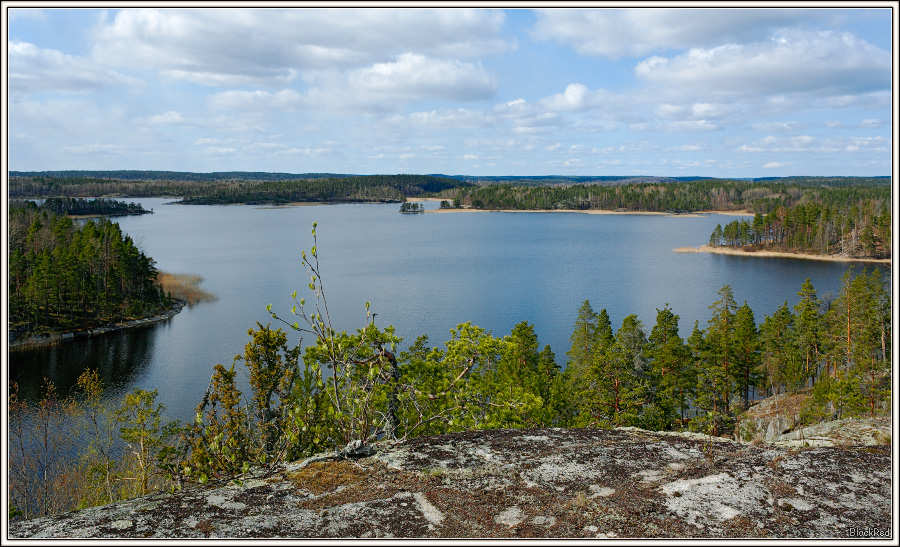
270,47
93,148
695,111
802,141
413,76
614,33
168,118
444,119
774,165
309,152
820,63
784,127
281,101
875,100
537,123
870,123
219,150
575,97
691,125
33,70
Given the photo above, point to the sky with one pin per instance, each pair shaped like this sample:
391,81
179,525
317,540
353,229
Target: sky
685,91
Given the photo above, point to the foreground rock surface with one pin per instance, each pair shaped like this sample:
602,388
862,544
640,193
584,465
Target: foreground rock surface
542,483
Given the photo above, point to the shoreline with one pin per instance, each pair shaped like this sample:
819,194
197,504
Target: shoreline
582,211
776,254
52,338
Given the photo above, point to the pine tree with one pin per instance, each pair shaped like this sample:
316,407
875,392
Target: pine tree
669,360
808,326
617,375
583,339
780,357
746,353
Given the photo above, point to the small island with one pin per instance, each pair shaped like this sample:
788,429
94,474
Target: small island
412,207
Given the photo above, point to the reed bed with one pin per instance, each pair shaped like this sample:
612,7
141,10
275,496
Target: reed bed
185,286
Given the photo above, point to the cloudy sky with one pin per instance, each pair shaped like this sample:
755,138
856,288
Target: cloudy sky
714,92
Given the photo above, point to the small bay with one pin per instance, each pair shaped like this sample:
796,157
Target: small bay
422,273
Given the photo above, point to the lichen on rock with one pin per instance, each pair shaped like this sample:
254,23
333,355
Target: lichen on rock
541,483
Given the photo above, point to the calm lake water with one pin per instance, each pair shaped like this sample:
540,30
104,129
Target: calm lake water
422,273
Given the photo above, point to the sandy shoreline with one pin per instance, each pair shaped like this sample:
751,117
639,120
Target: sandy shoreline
582,211
776,254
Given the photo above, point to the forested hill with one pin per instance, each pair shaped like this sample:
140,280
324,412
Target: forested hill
237,187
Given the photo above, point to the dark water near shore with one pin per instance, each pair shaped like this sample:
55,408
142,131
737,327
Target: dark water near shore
422,273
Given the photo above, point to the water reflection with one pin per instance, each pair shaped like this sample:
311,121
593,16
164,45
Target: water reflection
119,357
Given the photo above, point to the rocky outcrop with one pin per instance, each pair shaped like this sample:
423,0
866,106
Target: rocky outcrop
777,420
771,417
542,483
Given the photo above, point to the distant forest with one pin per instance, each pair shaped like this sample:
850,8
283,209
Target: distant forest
222,188
688,196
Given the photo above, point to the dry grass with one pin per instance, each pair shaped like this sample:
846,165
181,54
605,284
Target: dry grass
185,287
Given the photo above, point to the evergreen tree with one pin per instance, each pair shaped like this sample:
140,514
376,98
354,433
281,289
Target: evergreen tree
715,373
618,387
746,353
670,360
808,330
780,357
583,339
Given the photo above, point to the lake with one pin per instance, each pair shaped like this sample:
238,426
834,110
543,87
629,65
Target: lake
422,273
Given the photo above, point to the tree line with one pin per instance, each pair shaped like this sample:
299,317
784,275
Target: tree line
696,195
143,175
205,190
860,230
339,388
78,206
65,276
837,348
